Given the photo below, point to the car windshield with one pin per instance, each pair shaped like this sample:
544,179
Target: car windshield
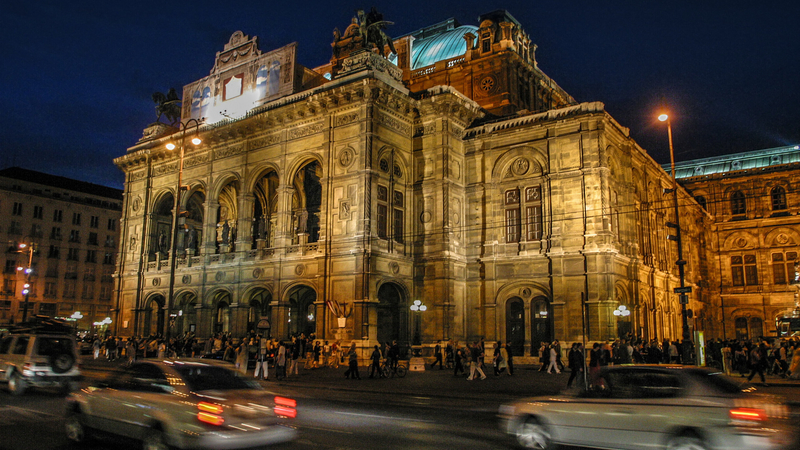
204,378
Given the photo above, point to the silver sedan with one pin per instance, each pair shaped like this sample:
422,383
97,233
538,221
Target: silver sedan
183,404
652,407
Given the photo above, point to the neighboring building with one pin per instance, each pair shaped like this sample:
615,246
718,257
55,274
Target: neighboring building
755,236
72,227
330,200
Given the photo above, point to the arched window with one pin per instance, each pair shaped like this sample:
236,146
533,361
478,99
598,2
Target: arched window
741,329
702,201
738,203
778,196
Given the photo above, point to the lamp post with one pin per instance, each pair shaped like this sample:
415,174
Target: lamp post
173,245
418,307
75,317
683,290
28,271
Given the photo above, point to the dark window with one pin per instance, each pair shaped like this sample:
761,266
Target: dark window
744,270
58,215
76,218
778,196
38,212
702,201
17,211
112,224
738,203
94,221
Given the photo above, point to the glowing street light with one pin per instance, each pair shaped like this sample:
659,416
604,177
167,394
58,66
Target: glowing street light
173,245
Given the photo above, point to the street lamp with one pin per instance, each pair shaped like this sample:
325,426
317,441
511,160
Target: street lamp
173,245
26,289
75,317
683,289
417,307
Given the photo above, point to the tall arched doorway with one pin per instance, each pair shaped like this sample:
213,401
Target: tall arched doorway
153,316
186,315
222,312
515,325
392,314
260,313
302,311
541,323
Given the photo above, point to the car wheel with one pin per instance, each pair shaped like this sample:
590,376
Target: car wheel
532,434
76,431
62,362
155,440
16,385
686,443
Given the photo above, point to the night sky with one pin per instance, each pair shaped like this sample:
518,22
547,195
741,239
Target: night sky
77,77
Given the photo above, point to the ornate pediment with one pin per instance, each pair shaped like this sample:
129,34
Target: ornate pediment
240,48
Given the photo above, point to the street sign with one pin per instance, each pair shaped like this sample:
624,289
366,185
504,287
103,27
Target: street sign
683,290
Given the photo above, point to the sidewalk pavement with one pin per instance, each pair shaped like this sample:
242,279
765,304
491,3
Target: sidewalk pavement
526,381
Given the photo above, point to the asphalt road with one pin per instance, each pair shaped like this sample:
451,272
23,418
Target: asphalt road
426,410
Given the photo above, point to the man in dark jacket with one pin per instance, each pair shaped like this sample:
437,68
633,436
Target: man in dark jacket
576,361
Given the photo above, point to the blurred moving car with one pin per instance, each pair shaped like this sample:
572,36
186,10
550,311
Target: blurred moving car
39,353
182,404
653,407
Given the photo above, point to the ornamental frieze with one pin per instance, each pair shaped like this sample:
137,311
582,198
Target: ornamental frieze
165,169
136,176
305,131
196,160
394,124
230,151
265,141
345,119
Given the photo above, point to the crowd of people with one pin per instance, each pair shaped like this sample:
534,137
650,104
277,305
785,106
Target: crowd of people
774,356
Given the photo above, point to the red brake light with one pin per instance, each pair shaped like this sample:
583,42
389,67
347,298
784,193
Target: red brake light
283,401
285,407
210,413
751,414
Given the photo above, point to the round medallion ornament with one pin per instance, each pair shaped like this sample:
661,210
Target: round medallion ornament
257,273
187,279
782,239
425,217
219,276
456,219
526,292
394,267
520,166
346,157
741,242
156,281
384,165
137,204
299,269
487,84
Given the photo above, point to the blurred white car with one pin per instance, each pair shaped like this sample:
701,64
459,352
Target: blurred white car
182,404
653,407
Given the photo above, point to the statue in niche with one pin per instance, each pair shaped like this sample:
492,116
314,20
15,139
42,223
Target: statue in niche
302,222
163,248
261,227
191,239
226,230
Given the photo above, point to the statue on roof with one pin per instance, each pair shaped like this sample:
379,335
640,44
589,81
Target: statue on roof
364,32
168,105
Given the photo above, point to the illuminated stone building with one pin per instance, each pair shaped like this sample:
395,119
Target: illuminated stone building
455,173
72,227
755,236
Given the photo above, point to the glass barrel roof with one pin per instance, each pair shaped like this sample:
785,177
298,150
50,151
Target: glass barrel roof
446,45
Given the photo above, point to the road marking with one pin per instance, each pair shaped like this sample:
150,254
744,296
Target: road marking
375,416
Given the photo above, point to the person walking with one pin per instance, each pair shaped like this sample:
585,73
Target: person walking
262,361
96,348
576,360
375,365
475,362
758,362
280,362
459,357
352,359
295,357
544,357
553,360
437,354
241,356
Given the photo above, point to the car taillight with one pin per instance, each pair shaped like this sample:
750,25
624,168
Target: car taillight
285,407
748,414
210,413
